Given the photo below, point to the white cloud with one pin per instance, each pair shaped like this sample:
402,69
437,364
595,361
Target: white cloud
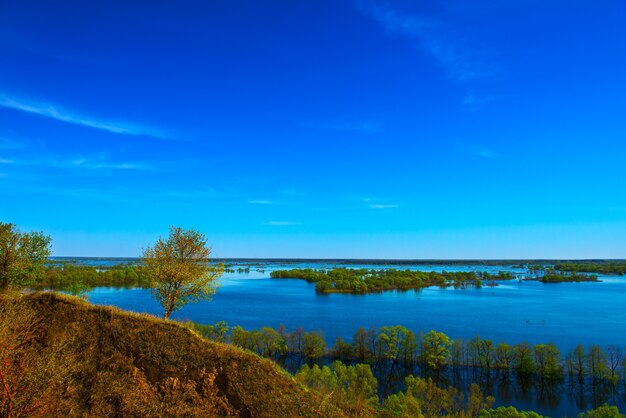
100,164
260,202
381,206
450,51
57,113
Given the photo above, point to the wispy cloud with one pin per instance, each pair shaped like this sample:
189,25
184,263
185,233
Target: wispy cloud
365,127
100,164
281,223
7,143
476,150
371,203
473,100
459,61
97,162
260,202
381,206
58,113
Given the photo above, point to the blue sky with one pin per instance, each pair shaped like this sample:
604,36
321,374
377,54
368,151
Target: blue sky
391,129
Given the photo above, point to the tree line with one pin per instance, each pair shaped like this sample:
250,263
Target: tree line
396,346
617,268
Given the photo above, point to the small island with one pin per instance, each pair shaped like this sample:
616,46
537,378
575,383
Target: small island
360,281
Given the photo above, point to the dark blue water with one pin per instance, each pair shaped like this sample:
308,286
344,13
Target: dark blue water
565,313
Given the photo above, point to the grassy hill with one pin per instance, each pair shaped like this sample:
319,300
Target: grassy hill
60,355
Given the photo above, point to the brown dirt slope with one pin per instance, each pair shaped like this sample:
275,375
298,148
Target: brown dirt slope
67,357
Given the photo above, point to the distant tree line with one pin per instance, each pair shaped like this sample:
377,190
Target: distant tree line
618,268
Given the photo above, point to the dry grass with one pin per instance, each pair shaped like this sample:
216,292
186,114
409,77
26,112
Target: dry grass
116,363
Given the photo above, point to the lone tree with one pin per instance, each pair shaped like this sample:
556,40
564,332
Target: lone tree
22,255
180,269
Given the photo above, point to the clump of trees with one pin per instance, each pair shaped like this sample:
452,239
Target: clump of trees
557,277
78,278
423,397
345,280
351,387
22,256
180,270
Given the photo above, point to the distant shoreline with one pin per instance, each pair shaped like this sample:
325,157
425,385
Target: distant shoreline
441,261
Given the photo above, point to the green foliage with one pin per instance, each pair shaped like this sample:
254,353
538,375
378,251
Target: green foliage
547,360
523,360
604,411
507,412
423,398
555,277
342,350
353,388
22,256
597,363
392,342
180,269
436,346
314,346
217,332
503,356
344,280
79,279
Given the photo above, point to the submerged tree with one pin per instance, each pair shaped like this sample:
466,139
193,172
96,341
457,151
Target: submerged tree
22,255
181,270
436,346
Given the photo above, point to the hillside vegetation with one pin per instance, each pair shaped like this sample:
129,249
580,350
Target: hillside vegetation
62,356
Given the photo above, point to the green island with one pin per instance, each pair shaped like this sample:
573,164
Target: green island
360,281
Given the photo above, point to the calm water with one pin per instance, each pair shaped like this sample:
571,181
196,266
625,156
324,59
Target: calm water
566,313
